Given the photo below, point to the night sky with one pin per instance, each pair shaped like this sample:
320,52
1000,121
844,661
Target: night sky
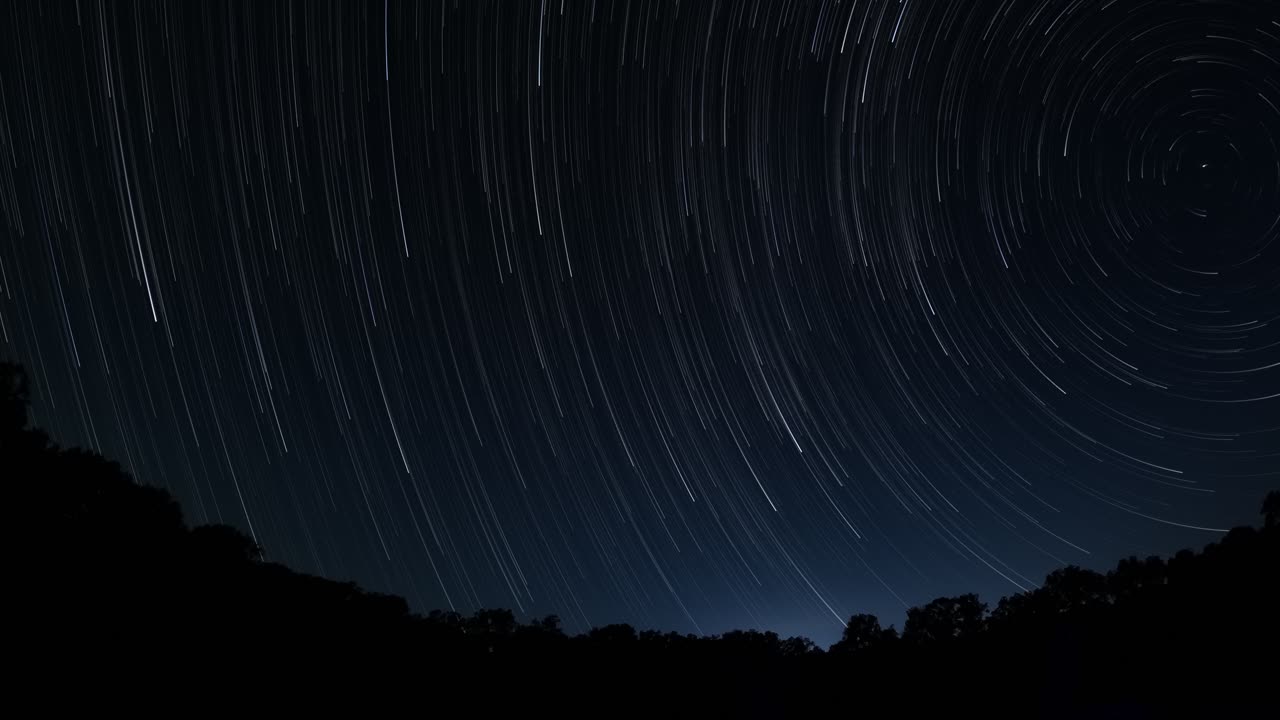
692,315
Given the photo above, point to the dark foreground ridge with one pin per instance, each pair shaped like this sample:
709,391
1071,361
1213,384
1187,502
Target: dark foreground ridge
121,591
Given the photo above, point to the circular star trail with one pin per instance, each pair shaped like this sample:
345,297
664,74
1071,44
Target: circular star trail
689,315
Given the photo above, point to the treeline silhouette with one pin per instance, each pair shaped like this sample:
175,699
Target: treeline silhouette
111,571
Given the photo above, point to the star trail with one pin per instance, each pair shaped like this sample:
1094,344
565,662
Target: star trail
690,315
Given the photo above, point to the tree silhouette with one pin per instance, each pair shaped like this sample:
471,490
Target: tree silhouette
1132,577
112,564
613,635
863,634
222,545
945,619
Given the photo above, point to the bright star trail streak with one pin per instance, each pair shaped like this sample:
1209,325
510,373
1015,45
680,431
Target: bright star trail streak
690,315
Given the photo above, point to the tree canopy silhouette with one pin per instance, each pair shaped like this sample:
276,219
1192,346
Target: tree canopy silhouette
112,562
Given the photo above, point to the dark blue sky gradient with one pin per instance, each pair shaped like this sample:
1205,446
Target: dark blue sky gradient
695,316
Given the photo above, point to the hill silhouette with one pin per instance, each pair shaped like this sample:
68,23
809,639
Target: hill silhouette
113,580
